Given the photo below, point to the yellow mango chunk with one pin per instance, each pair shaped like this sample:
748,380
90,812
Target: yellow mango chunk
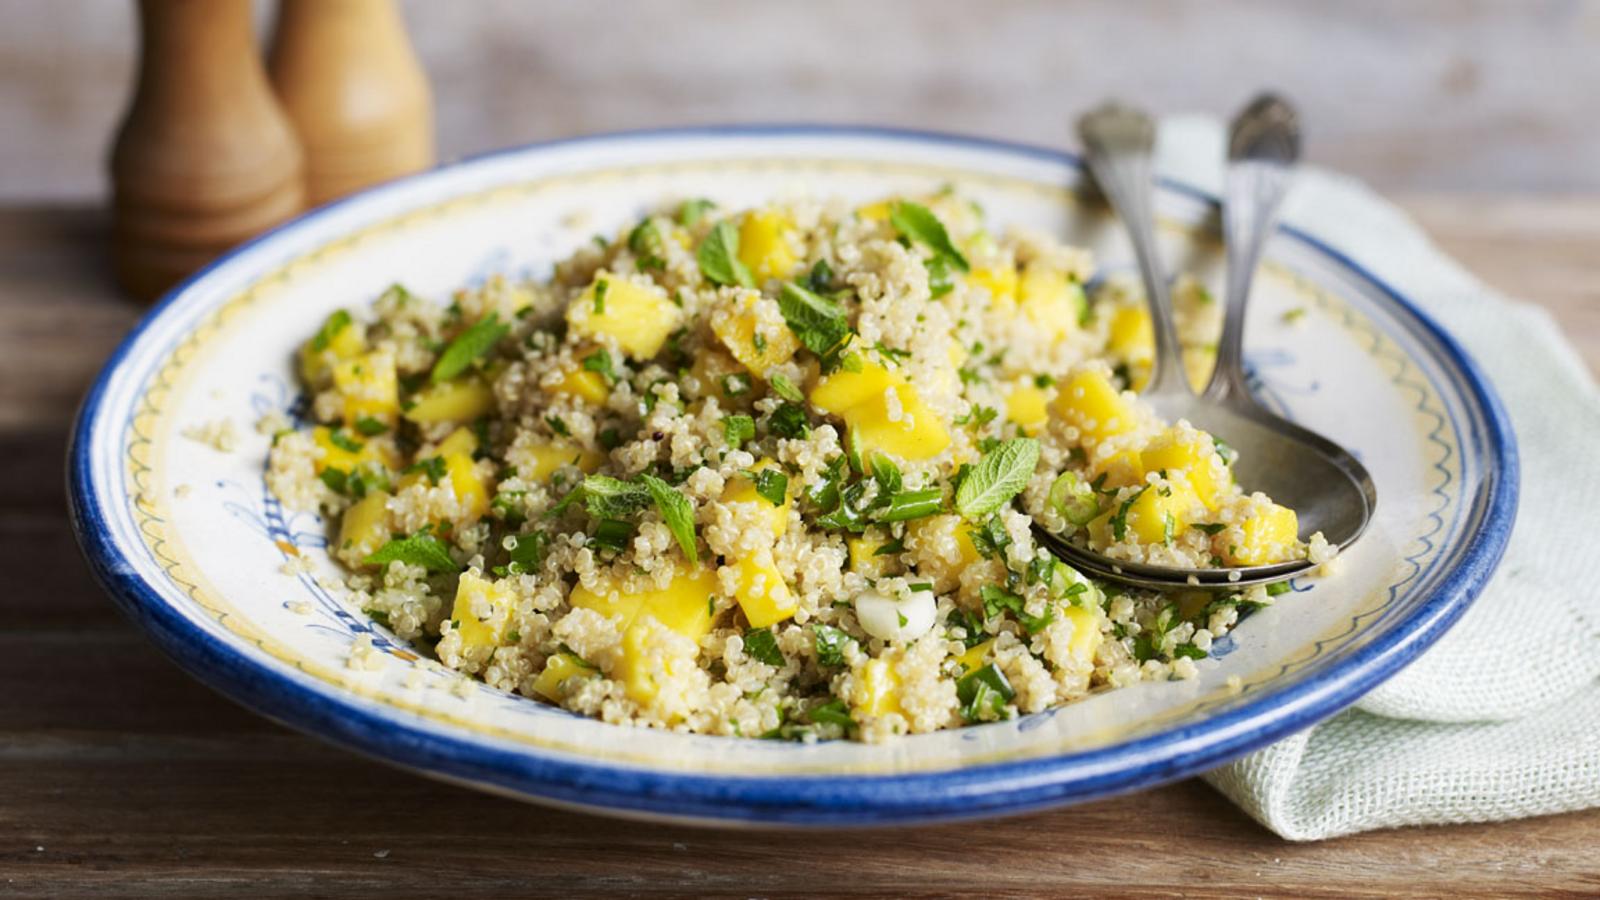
1192,454
342,339
1157,514
482,611
368,387
1121,469
739,332
1027,405
764,245
862,400
461,400
584,384
877,689
761,591
467,485
865,558
1050,300
743,490
1088,402
365,526
1131,335
975,655
683,605
545,459
557,669
337,455
876,211
1086,636
651,660
1269,536
1001,283
638,318
461,441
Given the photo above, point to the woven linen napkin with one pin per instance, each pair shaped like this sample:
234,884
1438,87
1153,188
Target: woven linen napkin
1501,718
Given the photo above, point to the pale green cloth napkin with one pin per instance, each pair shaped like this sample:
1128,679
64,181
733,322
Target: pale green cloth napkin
1501,718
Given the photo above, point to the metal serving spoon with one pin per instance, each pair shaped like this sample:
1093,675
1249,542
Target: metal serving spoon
1327,487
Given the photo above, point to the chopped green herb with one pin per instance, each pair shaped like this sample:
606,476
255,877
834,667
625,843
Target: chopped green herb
1043,381
676,511
612,498
759,341
820,278
600,361
990,538
761,644
886,473
997,478
335,479
939,281
983,694
892,548
737,429
693,210
789,420
370,427
783,387
735,384
558,425
646,244
997,599
1188,651
527,551
890,354
610,438
820,324
834,712
468,346
1278,588
921,586
1211,528
907,505
336,322
918,223
829,642
601,288
1119,522
718,257
772,485
433,467
613,534
344,442
1225,451
420,549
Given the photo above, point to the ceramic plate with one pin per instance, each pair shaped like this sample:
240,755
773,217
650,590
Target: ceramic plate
190,544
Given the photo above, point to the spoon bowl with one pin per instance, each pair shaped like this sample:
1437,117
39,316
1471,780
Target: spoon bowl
1330,490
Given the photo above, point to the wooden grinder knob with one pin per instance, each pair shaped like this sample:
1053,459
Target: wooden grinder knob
346,75
204,158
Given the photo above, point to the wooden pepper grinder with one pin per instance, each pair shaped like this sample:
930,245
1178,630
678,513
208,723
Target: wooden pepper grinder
346,75
204,158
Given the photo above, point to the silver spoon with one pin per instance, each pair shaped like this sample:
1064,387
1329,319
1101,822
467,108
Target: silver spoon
1327,487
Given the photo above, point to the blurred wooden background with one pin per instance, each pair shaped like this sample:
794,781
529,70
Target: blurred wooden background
1422,95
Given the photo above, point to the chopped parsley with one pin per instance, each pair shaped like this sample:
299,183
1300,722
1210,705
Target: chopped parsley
834,712
336,322
558,425
997,599
789,420
644,241
829,643
761,644
344,442
1119,521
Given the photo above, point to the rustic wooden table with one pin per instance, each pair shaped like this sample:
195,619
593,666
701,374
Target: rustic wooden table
119,775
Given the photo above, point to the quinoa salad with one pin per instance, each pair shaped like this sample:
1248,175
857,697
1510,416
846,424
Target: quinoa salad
775,473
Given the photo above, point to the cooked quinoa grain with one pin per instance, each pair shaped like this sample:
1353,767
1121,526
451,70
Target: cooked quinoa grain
774,472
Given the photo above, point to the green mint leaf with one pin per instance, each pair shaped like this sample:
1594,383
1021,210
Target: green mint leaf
772,485
829,642
997,478
1119,522
344,442
762,644
600,361
939,282
983,694
783,387
336,322
693,210
676,511
420,549
789,420
468,346
644,241
433,467
918,223
370,427
819,323
612,498
719,257
834,712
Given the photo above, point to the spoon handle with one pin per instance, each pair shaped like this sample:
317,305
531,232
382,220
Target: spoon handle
1119,141
1263,147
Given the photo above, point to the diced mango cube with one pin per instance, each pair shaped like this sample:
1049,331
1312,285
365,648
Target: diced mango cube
584,384
545,459
343,340
1193,455
1088,402
365,526
876,211
652,659
1269,536
1001,283
1086,634
336,452
1027,405
369,386
865,558
1050,300
756,346
743,490
877,689
482,611
467,484
460,400
1131,335
557,669
684,605
461,441
761,591
1159,513
637,317
863,400
975,655
764,245
1121,469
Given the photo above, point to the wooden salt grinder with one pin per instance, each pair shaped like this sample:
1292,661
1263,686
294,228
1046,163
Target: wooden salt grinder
204,157
346,75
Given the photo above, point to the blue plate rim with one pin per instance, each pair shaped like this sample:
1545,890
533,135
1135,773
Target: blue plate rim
825,800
